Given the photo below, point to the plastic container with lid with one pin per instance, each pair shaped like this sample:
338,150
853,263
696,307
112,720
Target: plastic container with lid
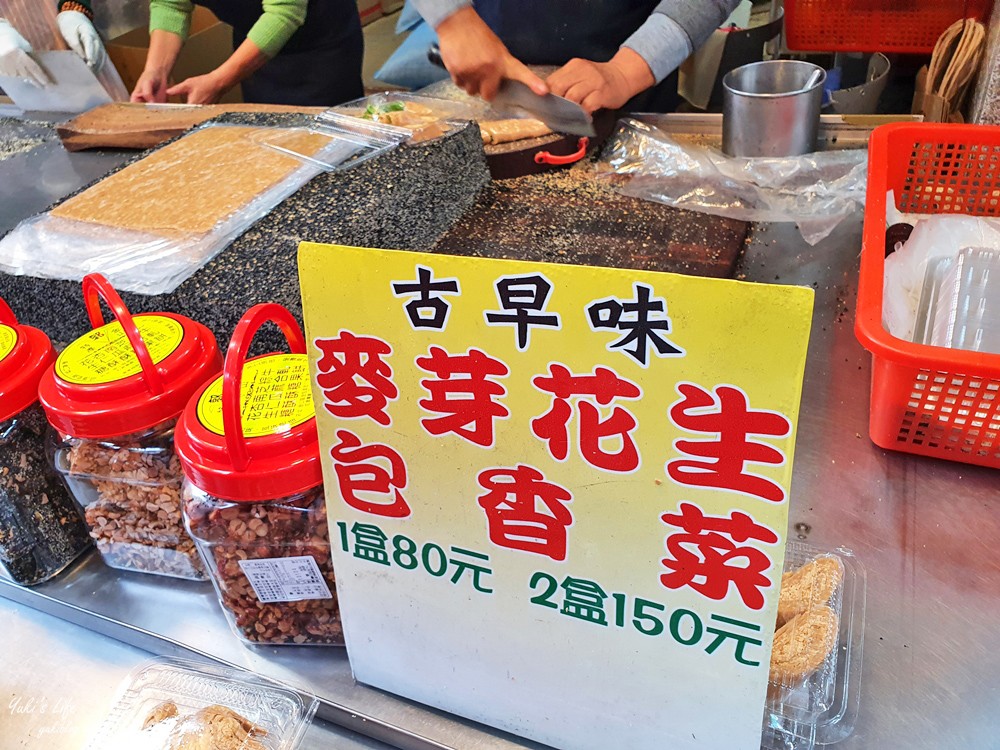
175,703
113,397
814,689
41,532
253,491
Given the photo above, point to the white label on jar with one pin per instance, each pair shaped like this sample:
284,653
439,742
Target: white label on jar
285,579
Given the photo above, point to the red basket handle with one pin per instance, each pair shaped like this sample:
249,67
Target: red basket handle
232,371
7,316
96,287
545,157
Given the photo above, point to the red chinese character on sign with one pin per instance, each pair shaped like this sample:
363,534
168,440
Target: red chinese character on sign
524,512
721,461
354,378
470,417
357,472
706,555
603,386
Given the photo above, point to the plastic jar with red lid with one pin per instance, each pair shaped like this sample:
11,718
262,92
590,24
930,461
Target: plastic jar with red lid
41,532
253,490
113,397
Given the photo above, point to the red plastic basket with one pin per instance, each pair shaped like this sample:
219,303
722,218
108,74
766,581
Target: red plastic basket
928,400
905,26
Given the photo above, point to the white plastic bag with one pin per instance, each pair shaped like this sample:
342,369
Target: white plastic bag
817,191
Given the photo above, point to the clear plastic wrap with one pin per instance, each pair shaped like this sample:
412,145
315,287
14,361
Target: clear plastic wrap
174,703
257,169
814,690
817,191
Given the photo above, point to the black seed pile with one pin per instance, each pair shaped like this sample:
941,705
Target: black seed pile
41,531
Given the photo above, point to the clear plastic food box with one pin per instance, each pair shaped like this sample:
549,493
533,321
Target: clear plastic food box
820,708
165,700
423,117
960,302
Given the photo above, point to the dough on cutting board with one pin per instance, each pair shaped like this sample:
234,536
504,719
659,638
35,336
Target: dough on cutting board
515,129
192,184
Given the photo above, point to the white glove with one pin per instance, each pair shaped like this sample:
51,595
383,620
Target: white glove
82,38
15,57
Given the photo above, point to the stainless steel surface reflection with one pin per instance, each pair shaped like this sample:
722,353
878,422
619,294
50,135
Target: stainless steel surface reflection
925,530
33,181
58,682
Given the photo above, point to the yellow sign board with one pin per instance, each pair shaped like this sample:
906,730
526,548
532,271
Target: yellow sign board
558,495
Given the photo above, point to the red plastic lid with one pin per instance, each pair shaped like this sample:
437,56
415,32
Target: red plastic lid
262,445
25,354
129,375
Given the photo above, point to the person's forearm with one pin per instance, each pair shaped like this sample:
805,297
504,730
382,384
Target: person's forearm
436,11
247,59
164,48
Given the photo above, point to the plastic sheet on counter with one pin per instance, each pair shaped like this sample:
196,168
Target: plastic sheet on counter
151,225
816,191
174,703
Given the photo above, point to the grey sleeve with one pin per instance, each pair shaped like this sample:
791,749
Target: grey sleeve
698,18
675,29
662,43
435,11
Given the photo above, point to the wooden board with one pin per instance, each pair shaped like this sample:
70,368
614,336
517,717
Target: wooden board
140,126
571,216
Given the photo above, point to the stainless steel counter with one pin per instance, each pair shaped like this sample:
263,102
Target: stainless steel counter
925,530
59,680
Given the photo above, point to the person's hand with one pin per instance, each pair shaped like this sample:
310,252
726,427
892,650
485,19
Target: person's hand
608,85
151,87
206,89
476,58
82,38
15,57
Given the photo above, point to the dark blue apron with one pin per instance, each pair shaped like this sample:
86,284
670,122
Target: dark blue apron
552,32
319,66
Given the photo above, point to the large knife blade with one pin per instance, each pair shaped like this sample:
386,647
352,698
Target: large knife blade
559,113
514,97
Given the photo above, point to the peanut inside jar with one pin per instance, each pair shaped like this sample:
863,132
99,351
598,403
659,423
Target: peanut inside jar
271,565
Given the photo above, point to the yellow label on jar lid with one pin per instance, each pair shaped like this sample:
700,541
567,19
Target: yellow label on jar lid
105,354
274,397
8,339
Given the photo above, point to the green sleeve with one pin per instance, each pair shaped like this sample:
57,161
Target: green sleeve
281,19
171,15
